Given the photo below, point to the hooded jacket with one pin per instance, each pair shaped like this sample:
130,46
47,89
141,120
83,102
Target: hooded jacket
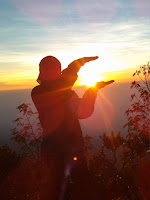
60,109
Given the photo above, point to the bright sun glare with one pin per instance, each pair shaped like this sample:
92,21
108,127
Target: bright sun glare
94,71
89,75
90,80
100,69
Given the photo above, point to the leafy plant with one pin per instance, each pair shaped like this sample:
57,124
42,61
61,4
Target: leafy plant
28,132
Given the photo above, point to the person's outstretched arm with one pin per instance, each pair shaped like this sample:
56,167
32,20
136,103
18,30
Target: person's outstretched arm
69,75
85,105
75,66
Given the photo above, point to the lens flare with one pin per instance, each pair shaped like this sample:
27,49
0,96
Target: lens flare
75,158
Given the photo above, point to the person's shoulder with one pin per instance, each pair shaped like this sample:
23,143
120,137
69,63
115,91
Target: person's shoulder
36,90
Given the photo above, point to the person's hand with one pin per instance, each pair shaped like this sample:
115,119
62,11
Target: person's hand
81,61
102,84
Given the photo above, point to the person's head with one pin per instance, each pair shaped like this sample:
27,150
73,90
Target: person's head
50,69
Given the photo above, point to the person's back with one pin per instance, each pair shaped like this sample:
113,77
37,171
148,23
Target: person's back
61,129
59,110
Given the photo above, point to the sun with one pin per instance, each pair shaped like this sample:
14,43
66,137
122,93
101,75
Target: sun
105,68
98,70
89,75
90,80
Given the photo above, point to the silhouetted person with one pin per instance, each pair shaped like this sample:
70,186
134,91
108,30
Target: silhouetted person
59,110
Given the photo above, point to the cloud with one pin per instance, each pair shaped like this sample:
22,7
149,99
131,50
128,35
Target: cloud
47,11
119,39
19,84
126,42
142,7
43,12
97,10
